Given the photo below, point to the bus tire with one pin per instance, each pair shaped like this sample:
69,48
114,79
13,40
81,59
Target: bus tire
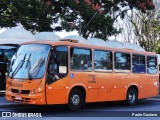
75,100
132,96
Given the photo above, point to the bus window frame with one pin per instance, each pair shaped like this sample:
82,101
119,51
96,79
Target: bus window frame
91,55
147,64
48,61
103,71
122,71
67,57
49,58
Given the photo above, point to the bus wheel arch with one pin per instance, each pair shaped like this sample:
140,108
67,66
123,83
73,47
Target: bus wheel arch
76,98
132,95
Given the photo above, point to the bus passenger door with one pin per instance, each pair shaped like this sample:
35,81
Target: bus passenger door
57,76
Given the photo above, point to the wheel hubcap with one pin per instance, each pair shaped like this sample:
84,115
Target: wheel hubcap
132,96
75,99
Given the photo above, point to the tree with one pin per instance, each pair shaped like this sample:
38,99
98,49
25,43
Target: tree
69,15
144,27
33,15
4,5
72,13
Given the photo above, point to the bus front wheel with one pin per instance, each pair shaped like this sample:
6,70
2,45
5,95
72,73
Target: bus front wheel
75,100
132,96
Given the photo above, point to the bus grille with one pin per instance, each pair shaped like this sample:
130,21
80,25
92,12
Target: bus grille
20,91
15,91
25,91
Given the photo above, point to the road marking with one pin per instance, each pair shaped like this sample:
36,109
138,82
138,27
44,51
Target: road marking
158,99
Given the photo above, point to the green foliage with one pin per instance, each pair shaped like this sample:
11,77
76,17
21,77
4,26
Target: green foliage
37,15
100,26
33,15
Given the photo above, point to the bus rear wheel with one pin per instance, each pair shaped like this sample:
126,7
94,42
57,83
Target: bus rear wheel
132,96
75,100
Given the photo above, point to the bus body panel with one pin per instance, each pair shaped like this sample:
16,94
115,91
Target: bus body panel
108,88
147,86
56,93
83,78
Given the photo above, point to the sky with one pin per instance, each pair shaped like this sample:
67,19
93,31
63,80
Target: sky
64,33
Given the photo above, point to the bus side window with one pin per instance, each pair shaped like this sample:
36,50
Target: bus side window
2,67
122,62
103,61
1,56
8,54
151,65
138,64
81,59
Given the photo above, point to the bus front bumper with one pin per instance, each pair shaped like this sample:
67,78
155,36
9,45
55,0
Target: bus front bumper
37,99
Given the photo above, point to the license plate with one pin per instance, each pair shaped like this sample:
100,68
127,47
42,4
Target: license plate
18,98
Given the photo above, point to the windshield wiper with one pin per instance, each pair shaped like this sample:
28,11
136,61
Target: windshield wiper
28,61
28,66
20,64
36,67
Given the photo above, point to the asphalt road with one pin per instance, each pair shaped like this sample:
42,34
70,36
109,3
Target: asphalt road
144,108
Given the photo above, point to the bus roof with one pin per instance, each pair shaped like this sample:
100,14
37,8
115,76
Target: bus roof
16,36
68,43
47,36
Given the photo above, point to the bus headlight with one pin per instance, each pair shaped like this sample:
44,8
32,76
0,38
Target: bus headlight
37,90
8,89
33,91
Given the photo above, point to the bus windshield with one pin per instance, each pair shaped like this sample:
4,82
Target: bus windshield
29,62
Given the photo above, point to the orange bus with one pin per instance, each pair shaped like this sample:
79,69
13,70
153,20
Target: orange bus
67,72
